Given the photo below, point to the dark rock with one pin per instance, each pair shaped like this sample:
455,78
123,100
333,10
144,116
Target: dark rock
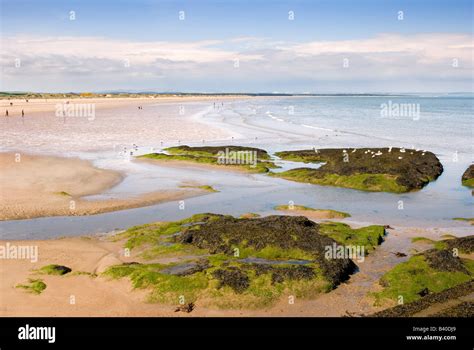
413,171
280,274
220,234
61,270
432,299
462,244
464,309
468,174
232,277
444,260
423,292
185,308
399,254
214,150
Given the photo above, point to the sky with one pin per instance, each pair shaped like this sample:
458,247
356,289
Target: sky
307,46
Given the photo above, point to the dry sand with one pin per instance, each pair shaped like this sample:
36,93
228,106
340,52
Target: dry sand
101,296
37,105
37,186
94,295
314,214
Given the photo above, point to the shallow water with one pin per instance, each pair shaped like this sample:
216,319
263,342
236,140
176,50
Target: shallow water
444,127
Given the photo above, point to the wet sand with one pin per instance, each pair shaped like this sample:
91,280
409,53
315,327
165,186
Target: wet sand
38,186
40,105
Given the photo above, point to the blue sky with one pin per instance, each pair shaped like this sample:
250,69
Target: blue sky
273,53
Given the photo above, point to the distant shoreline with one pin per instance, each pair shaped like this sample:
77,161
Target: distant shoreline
33,95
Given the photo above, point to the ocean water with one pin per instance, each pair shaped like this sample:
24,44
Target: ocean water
441,124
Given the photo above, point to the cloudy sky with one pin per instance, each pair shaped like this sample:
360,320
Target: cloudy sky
237,46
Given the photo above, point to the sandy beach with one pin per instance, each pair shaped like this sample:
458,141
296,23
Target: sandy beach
38,186
74,166
49,106
188,169
98,295
49,179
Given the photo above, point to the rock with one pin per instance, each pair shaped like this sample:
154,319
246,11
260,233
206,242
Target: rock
424,292
410,172
468,176
444,260
462,244
431,301
61,270
232,277
399,254
221,233
185,308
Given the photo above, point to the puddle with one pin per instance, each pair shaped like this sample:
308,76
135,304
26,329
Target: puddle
179,270
274,262
192,224
285,165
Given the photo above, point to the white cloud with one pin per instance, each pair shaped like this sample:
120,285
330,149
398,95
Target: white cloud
141,52
262,61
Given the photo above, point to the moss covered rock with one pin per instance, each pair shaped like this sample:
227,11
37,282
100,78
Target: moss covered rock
432,271
378,169
233,262
468,176
447,303
244,158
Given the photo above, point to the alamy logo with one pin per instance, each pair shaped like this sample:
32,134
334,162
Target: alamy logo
37,333
354,252
84,110
11,251
229,157
395,110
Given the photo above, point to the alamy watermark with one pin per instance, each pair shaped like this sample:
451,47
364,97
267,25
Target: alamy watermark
25,252
354,252
396,110
229,157
80,110
37,333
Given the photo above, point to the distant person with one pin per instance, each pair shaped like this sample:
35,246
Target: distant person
6,113
22,113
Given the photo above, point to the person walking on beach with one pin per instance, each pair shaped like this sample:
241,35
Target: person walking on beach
6,113
22,113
